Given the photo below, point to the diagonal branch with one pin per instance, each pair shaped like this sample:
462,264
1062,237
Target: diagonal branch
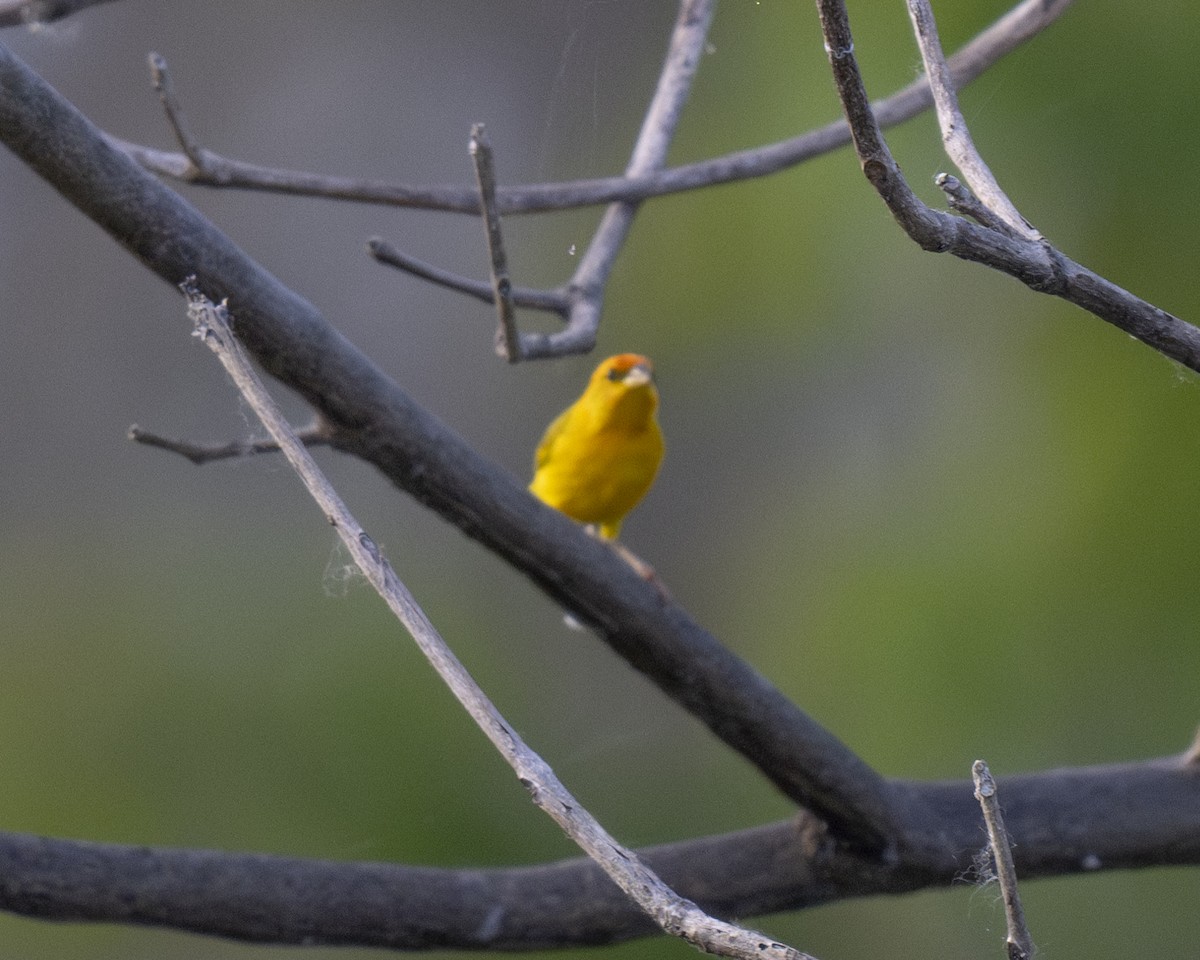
674,914
165,86
1036,264
369,416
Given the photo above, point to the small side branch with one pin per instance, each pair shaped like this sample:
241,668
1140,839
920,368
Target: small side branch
674,914
315,435
963,201
553,301
1020,943
507,342
174,110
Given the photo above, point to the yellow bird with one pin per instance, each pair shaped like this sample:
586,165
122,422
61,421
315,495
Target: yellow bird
600,455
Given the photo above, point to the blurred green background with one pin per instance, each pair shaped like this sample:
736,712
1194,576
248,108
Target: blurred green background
951,518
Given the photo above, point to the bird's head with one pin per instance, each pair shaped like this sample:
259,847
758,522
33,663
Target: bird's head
623,387
627,369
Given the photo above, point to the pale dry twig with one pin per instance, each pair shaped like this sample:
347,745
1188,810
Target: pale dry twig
674,914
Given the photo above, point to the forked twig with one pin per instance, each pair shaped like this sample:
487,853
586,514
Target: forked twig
587,285
955,136
584,292
1020,943
674,914
1009,250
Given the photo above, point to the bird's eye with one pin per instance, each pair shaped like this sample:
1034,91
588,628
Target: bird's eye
614,374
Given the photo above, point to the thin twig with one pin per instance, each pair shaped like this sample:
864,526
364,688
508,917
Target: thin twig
507,340
955,136
175,116
315,435
1023,22
552,301
674,914
1020,943
965,202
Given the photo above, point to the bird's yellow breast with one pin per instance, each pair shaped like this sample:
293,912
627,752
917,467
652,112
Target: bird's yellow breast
601,455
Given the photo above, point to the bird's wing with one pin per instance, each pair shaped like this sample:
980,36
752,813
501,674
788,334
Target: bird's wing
553,432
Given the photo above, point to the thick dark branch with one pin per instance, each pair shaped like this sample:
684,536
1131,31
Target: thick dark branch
1061,822
369,416
17,13
1037,264
1015,28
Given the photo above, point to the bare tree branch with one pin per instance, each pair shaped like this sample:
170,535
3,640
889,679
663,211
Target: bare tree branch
1063,822
369,416
1036,264
1025,21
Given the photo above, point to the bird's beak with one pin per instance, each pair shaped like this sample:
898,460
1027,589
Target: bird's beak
638,376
